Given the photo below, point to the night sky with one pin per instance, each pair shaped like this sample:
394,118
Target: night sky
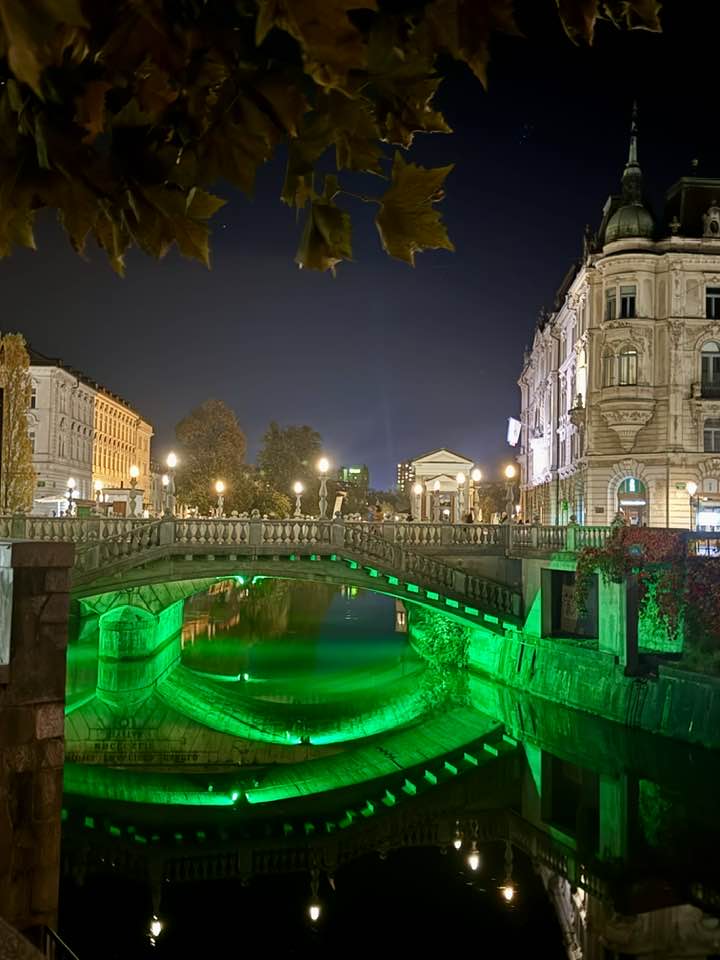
386,361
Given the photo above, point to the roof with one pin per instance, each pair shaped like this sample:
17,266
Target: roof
38,359
431,454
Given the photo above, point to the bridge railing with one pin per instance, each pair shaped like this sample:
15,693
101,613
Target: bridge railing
236,531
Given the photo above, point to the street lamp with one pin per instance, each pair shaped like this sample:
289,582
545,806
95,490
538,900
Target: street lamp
460,478
172,462
323,467
220,490
475,478
474,857
98,485
134,474
70,491
418,491
510,472
298,491
692,489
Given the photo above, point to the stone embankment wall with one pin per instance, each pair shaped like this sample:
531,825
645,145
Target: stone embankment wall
32,698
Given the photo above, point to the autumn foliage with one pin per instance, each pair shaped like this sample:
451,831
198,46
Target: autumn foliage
123,114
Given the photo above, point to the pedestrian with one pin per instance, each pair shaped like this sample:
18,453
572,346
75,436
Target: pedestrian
378,516
469,517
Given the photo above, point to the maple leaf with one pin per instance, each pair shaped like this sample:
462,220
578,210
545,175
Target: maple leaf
185,217
332,46
326,237
36,34
407,221
356,133
464,28
90,109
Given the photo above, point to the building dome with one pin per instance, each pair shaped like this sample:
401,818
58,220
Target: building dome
630,220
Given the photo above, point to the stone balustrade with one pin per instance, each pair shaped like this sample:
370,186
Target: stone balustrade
123,532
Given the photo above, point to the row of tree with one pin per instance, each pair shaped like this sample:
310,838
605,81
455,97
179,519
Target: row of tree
212,446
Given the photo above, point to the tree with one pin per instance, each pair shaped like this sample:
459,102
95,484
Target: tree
17,477
289,454
212,447
492,498
121,114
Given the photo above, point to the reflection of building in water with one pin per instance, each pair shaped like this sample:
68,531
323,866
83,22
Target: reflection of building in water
400,617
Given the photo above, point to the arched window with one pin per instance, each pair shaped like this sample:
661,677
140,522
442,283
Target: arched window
608,368
627,367
711,435
710,369
632,500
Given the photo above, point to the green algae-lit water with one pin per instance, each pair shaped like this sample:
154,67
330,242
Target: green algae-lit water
292,740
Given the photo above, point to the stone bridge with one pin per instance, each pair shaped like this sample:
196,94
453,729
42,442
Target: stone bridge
425,562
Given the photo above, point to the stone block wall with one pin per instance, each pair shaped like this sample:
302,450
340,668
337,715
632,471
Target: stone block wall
32,700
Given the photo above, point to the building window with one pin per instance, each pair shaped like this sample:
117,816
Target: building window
712,303
33,397
710,485
610,304
627,302
711,436
32,442
627,368
608,368
710,369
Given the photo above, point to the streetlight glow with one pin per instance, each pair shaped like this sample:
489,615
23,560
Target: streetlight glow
298,488
323,464
98,485
508,892
171,461
436,487
476,475
460,479
165,480
510,471
418,489
155,926
691,488
474,860
314,911
72,483
134,471
219,487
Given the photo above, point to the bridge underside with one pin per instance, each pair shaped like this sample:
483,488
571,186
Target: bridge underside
128,585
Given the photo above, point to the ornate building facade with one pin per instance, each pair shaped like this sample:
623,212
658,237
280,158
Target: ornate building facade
80,430
621,389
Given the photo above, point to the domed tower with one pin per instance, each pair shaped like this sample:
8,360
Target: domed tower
632,218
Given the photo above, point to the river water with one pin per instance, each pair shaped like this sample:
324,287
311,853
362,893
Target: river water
287,743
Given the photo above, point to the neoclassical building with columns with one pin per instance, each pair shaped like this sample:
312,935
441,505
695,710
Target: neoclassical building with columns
621,388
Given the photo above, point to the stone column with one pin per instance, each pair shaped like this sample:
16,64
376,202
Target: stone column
32,700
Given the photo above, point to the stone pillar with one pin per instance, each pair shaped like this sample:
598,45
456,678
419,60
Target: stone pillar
618,621
32,700
136,650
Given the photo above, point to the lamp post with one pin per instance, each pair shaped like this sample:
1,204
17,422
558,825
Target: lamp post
70,492
418,491
460,478
298,491
134,474
508,889
510,472
98,485
692,488
323,467
436,501
171,462
165,481
220,490
475,478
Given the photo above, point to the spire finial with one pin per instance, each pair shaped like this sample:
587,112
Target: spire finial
632,154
